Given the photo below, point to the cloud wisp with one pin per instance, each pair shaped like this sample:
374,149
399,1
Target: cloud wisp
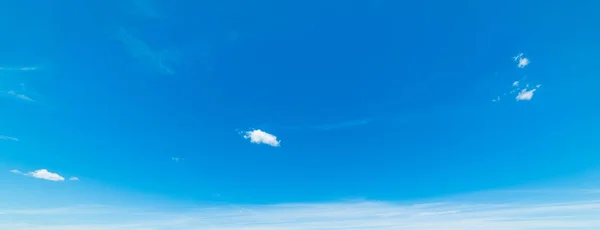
528,213
29,68
258,136
160,61
8,138
346,124
19,96
43,174
176,159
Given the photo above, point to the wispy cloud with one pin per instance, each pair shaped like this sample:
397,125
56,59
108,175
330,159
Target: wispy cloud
41,174
176,159
29,68
74,178
260,137
8,138
19,96
528,213
145,9
160,61
345,124
521,61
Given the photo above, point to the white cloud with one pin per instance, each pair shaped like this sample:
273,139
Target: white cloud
527,212
525,95
19,96
522,61
3,137
46,175
523,92
42,174
260,137
74,178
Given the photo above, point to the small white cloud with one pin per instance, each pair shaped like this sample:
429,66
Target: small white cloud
46,175
516,83
497,99
259,137
43,174
523,61
74,178
525,95
2,137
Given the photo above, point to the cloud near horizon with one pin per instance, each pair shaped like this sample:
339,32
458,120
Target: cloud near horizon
524,213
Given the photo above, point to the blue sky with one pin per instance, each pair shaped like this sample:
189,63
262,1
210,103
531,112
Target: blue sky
299,115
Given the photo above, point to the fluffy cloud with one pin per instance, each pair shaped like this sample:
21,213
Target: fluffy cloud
41,174
525,95
74,178
522,61
46,175
260,137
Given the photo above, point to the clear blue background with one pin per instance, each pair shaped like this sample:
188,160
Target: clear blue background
385,100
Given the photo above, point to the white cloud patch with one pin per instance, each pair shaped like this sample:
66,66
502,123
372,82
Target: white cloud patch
46,175
525,95
522,61
8,138
41,174
260,137
74,178
522,213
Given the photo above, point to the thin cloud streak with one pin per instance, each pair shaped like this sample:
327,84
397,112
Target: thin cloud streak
19,69
8,138
528,213
346,124
160,61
